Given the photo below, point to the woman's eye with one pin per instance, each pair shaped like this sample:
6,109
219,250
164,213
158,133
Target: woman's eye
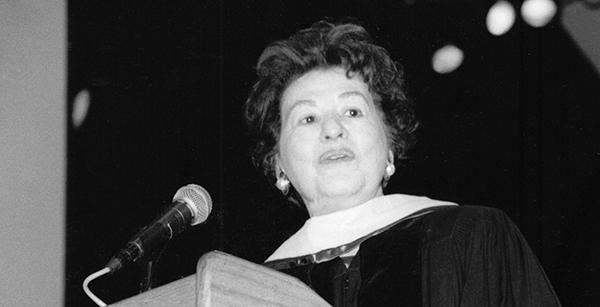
308,119
353,113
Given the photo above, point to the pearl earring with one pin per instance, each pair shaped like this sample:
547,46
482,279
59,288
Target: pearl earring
390,169
283,184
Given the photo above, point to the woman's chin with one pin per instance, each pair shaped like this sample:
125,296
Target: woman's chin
339,186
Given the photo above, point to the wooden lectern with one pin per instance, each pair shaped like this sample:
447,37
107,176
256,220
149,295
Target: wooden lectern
225,280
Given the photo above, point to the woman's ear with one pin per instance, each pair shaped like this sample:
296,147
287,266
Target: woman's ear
278,167
390,156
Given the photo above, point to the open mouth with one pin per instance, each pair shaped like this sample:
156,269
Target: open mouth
336,155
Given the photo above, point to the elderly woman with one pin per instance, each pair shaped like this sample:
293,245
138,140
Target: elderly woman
330,117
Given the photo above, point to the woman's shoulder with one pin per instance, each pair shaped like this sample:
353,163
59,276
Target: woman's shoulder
464,214
468,211
463,222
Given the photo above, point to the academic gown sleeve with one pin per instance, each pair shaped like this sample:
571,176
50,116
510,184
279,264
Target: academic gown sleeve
485,262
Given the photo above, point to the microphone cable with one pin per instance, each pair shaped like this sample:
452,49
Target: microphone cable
87,290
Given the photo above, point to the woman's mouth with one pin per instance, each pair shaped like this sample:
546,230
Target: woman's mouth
336,155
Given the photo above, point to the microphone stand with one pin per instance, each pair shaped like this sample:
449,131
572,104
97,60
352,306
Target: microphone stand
148,281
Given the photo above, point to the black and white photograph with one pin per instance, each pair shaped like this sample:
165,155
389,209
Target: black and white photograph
300,153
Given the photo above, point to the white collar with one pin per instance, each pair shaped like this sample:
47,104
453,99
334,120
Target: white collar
342,227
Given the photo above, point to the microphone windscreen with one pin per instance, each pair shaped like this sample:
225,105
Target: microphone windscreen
197,199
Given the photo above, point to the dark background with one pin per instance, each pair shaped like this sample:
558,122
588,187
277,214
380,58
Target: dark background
515,127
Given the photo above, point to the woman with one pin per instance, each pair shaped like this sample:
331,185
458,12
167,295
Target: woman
330,118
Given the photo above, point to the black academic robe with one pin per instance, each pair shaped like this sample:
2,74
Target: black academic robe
451,256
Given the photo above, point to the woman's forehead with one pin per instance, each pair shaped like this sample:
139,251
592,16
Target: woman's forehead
319,82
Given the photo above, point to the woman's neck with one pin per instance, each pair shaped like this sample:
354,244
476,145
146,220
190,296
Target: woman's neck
327,205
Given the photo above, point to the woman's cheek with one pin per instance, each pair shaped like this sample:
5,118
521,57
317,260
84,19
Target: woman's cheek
299,147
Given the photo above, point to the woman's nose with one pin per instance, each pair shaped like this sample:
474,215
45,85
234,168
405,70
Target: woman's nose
333,128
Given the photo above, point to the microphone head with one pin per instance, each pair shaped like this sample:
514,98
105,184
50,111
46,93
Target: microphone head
197,199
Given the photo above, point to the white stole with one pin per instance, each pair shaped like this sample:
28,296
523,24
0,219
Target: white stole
342,227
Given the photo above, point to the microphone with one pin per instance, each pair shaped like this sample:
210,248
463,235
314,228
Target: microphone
191,206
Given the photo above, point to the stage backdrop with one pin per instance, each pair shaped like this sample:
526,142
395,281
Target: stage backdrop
514,127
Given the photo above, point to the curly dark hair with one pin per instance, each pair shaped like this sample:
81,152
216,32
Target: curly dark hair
321,46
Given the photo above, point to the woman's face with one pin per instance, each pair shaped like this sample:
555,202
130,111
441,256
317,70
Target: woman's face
333,145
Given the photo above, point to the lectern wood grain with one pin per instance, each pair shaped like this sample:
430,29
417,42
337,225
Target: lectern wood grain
223,280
